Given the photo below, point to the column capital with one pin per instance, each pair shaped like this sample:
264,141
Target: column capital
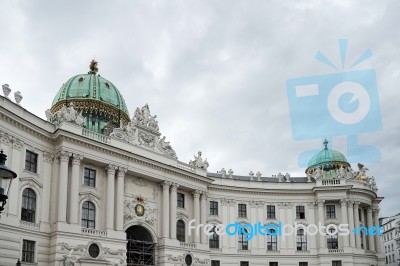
204,195
111,168
289,205
196,193
369,209
122,171
76,159
376,210
343,202
166,184
320,203
63,156
350,203
311,204
174,187
357,204
48,157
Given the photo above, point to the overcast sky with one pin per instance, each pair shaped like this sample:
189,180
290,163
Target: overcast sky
214,72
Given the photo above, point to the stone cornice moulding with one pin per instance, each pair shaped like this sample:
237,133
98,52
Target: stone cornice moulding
127,156
26,126
89,194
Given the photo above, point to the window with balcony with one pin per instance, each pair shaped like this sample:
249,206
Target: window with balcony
28,210
180,231
243,243
272,240
332,240
88,215
301,240
214,239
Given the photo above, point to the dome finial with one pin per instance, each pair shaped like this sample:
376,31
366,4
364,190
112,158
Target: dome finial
326,144
93,67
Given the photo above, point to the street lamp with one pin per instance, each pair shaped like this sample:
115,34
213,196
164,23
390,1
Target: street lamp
6,176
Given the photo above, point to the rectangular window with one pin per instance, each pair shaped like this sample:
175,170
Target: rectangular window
28,251
215,263
270,211
242,210
31,161
330,212
213,208
337,263
300,212
90,177
273,264
244,263
303,263
181,200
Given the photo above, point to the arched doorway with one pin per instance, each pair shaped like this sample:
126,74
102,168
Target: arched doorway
140,246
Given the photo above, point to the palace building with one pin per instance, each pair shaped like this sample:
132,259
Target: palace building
97,186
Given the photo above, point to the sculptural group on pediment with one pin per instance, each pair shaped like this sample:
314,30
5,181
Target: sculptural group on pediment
68,114
143,118
144,131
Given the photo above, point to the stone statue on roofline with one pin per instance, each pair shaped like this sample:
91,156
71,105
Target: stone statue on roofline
199,162
68,114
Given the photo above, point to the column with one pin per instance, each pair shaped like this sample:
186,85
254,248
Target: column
225,219
281,240
311,220
119,210
321,216
253,244
351,223
357,223
232,219
173,203
203,216
290,220
378,236
196,211
15,163
74,193
62,186
260,215
343,208
371,242
165,185
110,196
364,220
48,160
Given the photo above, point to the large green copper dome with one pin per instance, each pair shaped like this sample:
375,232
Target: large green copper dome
101,102
327,159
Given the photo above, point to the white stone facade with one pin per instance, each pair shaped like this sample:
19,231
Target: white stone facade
130,172
391,240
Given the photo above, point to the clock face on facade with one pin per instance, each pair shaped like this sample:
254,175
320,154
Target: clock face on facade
139,209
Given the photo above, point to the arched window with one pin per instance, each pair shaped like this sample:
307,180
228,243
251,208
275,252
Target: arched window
301,240
272,240
88,215
332,239
28,210
180,231
243,243
214,239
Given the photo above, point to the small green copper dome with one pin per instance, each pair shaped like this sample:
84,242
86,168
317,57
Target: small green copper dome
327,159
100,101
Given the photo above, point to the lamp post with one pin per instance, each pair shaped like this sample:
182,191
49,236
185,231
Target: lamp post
6,176
18,263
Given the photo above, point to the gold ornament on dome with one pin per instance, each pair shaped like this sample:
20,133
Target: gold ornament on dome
93,67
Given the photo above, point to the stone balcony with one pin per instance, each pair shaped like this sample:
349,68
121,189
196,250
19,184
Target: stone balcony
344,182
